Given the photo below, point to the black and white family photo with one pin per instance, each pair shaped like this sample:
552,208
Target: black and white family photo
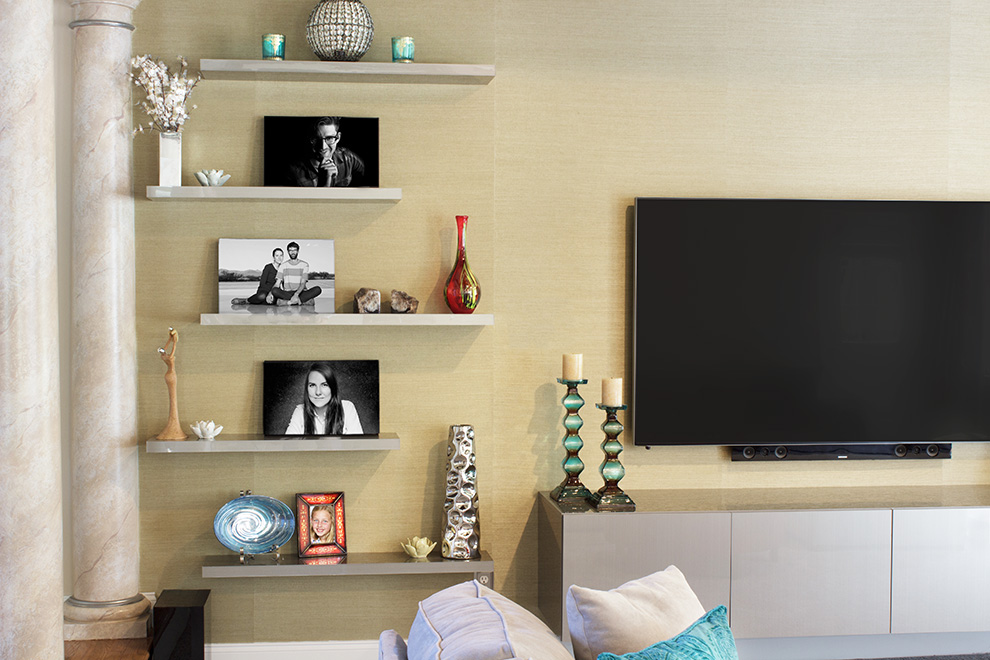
321,152
272,275
320,397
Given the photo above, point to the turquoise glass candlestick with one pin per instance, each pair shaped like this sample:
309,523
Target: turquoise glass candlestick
610,497
571,489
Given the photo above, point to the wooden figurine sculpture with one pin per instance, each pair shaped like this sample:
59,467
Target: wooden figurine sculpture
172,430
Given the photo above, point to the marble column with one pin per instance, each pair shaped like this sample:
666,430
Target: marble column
105,594
30,444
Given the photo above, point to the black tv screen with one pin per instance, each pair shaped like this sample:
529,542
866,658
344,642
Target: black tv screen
810,321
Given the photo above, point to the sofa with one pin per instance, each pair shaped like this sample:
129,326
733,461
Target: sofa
655,617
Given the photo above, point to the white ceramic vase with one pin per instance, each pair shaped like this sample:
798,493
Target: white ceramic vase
170,159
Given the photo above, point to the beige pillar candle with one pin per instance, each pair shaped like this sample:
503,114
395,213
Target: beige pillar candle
612,392
573,363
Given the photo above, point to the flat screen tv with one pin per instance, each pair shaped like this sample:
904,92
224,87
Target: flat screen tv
810,322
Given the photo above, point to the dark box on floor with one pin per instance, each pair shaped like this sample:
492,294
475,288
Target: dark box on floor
179,625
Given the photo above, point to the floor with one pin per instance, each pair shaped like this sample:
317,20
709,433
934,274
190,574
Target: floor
108,649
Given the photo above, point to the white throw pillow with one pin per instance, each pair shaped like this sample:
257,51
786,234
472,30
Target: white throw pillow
471,622
632,616
391,646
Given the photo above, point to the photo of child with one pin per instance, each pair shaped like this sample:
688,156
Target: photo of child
321,524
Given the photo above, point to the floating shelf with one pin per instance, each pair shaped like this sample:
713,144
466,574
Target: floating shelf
257,443
373,72
370,563
295,316
275,193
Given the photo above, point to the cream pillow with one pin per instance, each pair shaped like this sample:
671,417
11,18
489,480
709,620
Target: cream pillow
632,616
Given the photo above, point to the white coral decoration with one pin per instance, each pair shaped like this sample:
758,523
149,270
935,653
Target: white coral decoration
168,93
418,547
206,430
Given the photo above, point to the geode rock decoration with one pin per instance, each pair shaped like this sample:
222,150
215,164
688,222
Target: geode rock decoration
403,303
462,530
340,30
367,301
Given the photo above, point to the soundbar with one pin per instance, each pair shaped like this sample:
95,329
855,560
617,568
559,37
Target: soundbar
912,450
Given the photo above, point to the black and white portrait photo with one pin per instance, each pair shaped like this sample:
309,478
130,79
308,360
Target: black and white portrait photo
276,276
320,397
321,152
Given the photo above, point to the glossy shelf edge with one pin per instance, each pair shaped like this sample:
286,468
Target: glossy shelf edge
313,70
383,442
293,316
274,193
370,563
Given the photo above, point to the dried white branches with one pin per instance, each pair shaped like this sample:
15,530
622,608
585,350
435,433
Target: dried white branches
168,93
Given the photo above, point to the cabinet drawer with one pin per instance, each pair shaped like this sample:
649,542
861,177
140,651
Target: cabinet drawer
810,573
941,571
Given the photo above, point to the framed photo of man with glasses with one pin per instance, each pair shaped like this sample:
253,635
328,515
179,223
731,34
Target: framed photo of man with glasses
322,152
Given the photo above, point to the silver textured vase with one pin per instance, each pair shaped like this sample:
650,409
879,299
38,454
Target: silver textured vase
462,530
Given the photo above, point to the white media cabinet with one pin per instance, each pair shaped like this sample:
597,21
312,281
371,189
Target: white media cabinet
876,571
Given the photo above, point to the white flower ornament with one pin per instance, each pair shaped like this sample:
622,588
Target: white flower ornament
417,547
211,177
206,430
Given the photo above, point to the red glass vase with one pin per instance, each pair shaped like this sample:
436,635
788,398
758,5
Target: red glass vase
462,291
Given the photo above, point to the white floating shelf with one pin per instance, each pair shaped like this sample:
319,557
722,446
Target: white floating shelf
368,563
374,72
296,316
275,193
256,443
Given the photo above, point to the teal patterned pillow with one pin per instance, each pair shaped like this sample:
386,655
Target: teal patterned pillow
708,638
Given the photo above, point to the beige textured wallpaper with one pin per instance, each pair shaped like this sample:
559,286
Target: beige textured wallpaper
592,105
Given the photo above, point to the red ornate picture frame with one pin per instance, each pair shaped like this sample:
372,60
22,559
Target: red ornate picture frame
333,542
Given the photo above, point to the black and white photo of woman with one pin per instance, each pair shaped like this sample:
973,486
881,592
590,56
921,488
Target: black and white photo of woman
317,398
322,411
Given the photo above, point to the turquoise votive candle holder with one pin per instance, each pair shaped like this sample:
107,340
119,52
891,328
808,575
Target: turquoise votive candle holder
273,46
403,49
